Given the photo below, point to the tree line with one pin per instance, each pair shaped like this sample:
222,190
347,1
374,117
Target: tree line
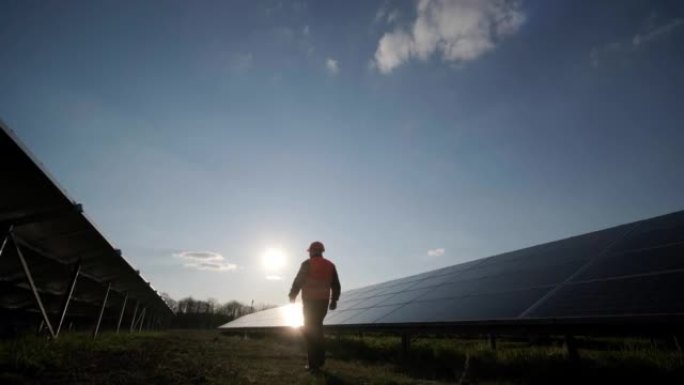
207,314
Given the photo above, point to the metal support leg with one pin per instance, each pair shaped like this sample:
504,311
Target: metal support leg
571,345
142,319
123,309
27,272
102,309
675,339
405,344
492,341
135,313
5,241
67,298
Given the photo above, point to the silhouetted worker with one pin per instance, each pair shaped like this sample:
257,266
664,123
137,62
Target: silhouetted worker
317,279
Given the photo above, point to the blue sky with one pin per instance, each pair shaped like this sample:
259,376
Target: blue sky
405,135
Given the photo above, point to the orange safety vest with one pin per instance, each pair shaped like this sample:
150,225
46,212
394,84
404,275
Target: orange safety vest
318,279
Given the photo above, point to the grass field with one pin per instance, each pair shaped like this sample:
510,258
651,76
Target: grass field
210,357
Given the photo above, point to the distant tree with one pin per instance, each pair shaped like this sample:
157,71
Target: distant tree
186,305
233,309
210,313
264,306
170,302
212,305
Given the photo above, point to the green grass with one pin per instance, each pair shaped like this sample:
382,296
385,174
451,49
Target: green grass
176,357
210,357
624,361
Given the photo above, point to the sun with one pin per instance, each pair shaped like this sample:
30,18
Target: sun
273,259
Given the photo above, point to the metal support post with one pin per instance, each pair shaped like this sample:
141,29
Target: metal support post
67,298
492,341
123,309
102,309
5,240
142,319
405,344
135,313
675,339
571,345
27,272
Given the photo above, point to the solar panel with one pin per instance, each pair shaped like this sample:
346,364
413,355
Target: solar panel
41,226
630,273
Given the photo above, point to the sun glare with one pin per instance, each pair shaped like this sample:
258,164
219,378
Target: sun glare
292,314
273,259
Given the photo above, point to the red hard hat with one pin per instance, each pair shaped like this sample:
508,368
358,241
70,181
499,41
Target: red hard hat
316,246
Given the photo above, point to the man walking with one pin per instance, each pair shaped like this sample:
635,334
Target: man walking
317,279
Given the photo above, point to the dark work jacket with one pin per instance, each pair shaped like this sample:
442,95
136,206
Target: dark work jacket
317,279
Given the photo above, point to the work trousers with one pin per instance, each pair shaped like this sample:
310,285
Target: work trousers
314,313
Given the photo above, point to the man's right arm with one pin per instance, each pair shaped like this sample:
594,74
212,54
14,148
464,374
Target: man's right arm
335,285
299,280
336,289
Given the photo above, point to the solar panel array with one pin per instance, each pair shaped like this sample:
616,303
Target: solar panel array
55,239
621,274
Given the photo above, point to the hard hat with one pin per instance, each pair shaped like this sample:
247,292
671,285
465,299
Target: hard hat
316,246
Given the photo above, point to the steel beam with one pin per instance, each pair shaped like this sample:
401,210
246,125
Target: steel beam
74,257
67,298
135,313
20,217
123,309
142,319
102,309
24,265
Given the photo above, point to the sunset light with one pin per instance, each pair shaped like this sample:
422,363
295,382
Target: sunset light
292,314
273,259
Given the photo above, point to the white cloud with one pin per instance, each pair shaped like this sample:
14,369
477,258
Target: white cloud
649,33
200,255
382,12
240,62
436,252
332,66
385,14
457,30
229,63
274,277
205,260
654,32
